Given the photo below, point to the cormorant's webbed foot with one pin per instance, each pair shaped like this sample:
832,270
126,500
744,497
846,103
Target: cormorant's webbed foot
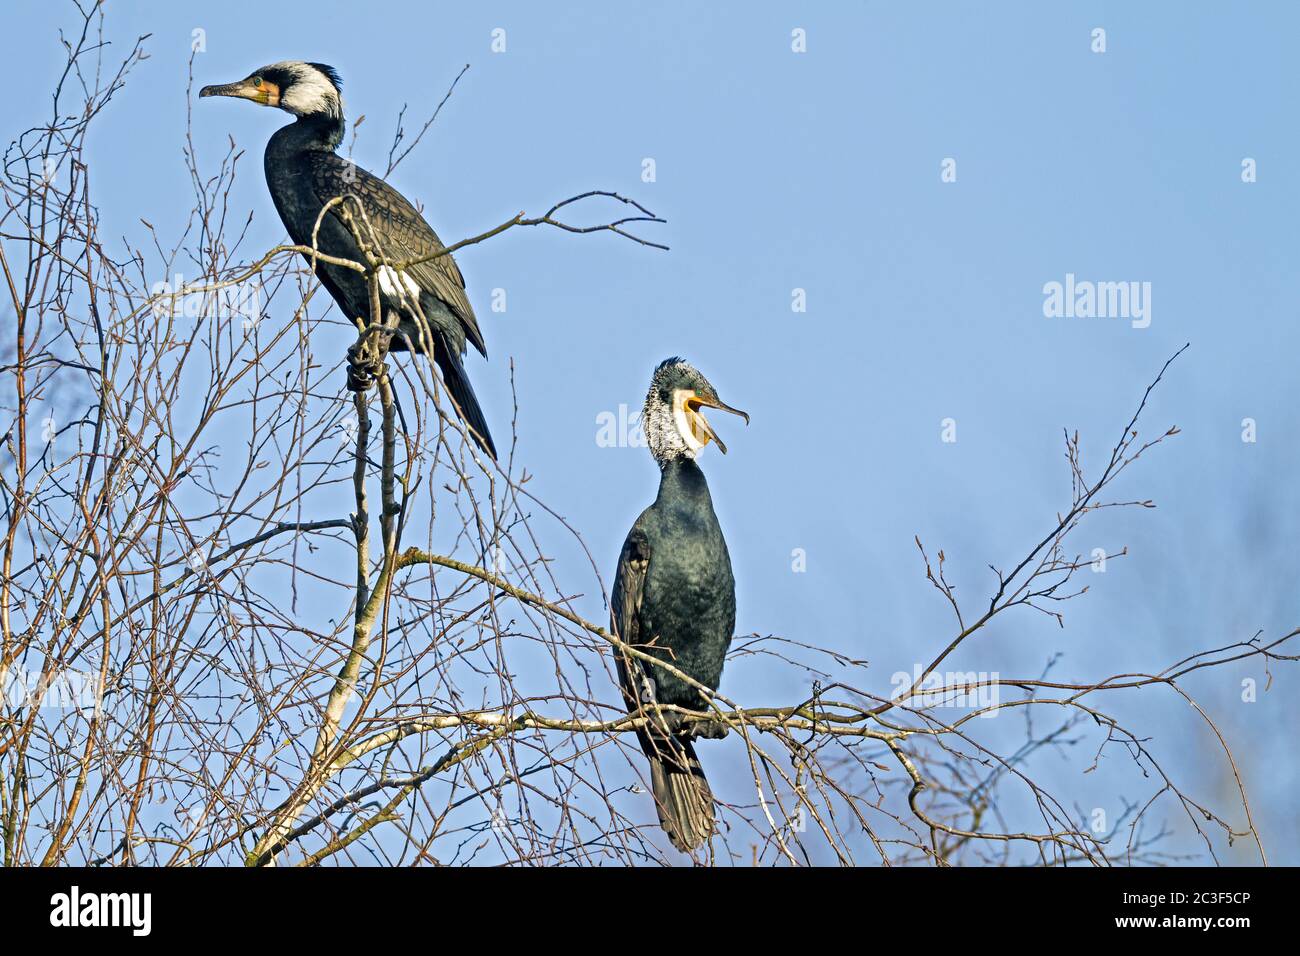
677,724
680,725
712,729
366,359
361,375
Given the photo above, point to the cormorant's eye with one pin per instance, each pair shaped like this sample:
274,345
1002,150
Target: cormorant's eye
257,81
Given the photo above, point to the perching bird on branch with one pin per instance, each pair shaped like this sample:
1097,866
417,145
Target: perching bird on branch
675,598
304,174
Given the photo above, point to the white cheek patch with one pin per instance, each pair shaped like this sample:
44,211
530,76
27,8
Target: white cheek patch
397,286
309,93
682,421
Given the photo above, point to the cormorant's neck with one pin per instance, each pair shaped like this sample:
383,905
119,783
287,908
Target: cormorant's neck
680,479
322,131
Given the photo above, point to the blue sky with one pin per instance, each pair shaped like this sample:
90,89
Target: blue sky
820,171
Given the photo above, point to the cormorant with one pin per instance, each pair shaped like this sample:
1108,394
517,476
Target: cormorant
304,173
675,598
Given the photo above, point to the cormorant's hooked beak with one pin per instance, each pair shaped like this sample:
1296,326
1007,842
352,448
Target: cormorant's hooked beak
698,401
252,88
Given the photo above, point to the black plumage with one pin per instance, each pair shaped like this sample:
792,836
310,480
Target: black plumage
674,598
304,173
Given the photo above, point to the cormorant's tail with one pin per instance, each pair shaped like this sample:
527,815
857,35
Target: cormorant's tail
453,374
681,791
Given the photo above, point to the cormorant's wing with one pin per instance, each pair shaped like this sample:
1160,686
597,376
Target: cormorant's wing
625,607
402,231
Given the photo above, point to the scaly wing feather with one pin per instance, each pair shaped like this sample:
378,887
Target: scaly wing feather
404,234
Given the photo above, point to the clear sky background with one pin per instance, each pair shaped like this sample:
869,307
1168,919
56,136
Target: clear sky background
821,170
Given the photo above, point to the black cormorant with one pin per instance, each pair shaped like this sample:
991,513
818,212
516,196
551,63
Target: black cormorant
304,173
675,598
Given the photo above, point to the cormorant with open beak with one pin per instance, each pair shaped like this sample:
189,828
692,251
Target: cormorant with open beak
674,598
304,174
